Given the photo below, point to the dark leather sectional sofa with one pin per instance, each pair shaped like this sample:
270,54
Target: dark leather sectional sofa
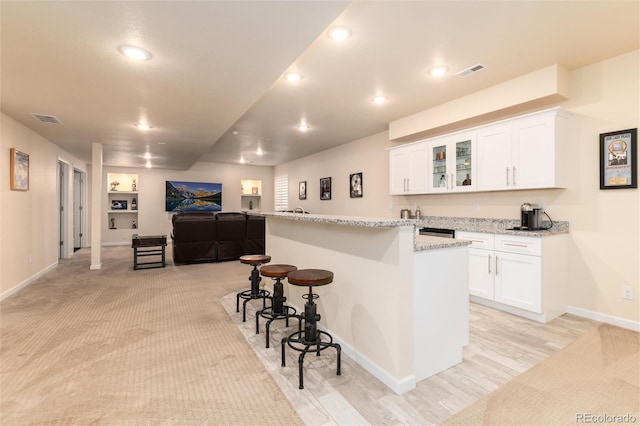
213,237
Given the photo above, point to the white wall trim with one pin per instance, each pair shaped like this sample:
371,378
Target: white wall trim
399,386
609,319
28,281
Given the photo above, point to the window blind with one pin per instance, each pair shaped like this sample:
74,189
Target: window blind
281,195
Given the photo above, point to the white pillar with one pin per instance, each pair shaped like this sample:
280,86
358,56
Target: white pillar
96,206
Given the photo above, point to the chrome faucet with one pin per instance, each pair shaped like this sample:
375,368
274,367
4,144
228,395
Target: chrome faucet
298,210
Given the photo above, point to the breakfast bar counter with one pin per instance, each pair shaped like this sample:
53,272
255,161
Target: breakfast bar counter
399,302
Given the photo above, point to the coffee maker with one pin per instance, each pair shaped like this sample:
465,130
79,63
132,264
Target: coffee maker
530,217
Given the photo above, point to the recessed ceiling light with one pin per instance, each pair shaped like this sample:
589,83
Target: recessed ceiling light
439,70
293,77
303,127
148,165
380,99
147,155
241,160
143,126
135,53
339,33
259,151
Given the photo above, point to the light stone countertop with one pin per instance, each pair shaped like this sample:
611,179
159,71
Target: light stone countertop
376,222
423,242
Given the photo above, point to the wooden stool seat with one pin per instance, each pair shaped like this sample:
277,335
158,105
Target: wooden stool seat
310,277
277,270
255,259
255,292
277,310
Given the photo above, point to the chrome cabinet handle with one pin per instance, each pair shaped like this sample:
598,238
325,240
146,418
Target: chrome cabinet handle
507,176
408,186
452,186
497,260
514,175
489,264
516,245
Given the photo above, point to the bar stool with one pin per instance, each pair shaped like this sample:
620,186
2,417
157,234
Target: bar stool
310,339
254,292
277,310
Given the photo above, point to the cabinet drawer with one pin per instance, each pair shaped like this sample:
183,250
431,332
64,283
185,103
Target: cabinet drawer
516,244
478,239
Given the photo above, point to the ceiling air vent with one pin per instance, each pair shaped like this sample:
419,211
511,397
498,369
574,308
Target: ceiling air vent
465,72
47,118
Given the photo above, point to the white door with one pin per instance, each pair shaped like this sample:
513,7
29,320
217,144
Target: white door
419,177
494,157
481,273
78,208
518,281
399,167
534,152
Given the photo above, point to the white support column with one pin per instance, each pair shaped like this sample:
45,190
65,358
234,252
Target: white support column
96,206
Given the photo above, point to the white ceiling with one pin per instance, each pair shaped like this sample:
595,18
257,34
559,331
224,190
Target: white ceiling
218,65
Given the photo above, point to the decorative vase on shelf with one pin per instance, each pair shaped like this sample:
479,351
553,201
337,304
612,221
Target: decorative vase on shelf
134,186
112,224
133,224
134,204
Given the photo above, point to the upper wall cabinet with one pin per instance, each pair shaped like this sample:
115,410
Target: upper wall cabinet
408,169
451,165
527,152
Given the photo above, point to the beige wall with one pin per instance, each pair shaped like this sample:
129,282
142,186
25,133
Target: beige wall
367,155
29,220
152,217
605,225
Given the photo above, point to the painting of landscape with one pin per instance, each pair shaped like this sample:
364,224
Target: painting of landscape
193,196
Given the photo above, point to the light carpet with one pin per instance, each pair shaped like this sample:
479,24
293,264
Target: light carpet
124,347
593,380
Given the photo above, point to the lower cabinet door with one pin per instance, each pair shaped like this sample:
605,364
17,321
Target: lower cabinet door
481,273
518,281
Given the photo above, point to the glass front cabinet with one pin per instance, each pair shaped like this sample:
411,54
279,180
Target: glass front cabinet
452,163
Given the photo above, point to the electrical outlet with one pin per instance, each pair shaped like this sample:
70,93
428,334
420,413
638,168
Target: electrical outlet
627,292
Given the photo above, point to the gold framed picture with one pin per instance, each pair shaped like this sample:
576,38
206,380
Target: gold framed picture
19,170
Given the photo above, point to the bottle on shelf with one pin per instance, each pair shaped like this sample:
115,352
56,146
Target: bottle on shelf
418,213
442,182
134,204
467,181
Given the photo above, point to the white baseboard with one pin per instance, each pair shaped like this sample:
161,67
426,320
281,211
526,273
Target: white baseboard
399,386
609,319
28,281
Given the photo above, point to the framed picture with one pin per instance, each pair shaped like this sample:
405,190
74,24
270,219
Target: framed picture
325,188
619,159
302,190
118,204
355,185
19,170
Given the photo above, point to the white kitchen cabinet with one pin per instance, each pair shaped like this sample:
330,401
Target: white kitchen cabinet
526,152
506,269
408,169
451,165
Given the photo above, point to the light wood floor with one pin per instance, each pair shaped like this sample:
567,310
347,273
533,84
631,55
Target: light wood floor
501,347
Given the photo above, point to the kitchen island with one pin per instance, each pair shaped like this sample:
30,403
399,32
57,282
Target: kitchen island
398,304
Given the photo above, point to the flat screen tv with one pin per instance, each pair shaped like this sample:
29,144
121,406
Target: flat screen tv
193,196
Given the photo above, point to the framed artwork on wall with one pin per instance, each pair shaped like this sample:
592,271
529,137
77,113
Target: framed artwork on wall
619,159
325,188
302,190
355,185
19,170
